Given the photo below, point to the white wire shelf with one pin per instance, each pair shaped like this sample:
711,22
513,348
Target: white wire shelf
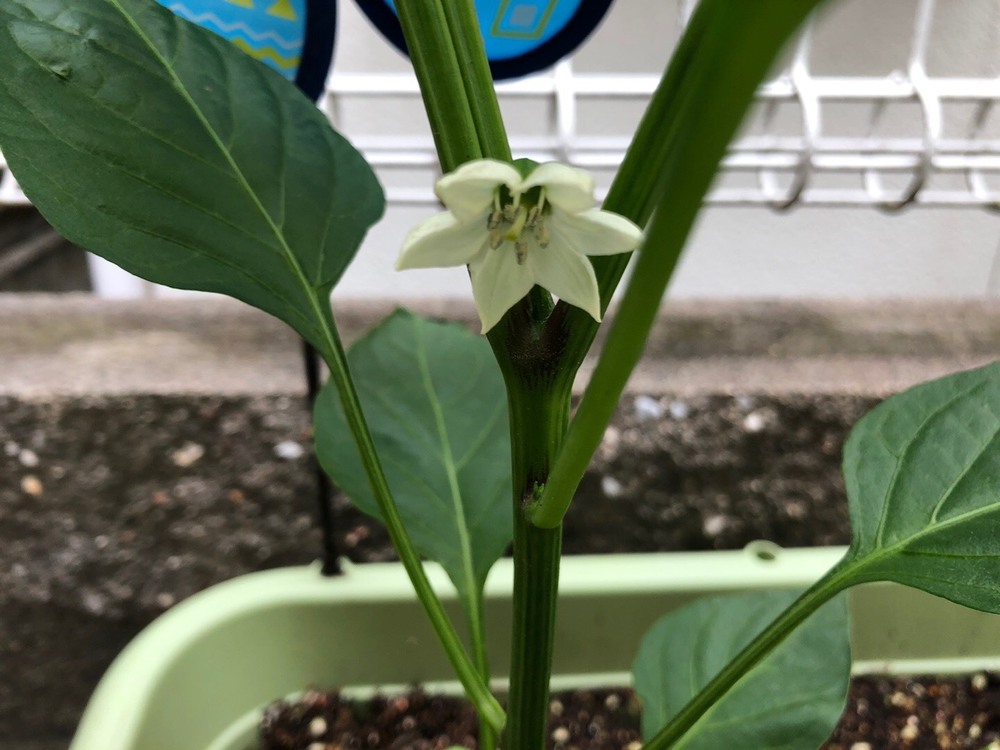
813,165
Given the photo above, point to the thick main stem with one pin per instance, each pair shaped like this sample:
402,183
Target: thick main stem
538,417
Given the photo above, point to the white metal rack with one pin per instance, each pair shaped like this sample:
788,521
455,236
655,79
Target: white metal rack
793,153
762,168
889,172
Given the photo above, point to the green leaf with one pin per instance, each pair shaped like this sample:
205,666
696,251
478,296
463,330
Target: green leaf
923,484
435,401
158,145
791,700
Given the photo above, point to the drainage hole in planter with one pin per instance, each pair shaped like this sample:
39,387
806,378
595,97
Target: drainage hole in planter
763,550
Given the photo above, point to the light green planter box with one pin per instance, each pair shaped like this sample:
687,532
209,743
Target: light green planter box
198,676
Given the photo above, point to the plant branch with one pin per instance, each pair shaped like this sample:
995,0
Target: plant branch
710,83
480,655
441,77
468,674
463,25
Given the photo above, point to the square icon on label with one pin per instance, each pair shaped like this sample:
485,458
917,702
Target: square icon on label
523,19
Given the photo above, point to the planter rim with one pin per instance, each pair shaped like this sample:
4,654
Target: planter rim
144,662
923,632
758,565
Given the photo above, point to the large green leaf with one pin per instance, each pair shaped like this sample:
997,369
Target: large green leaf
791,700
923,483
434,398
158,145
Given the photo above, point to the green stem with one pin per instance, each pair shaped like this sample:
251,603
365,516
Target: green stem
477,689
441,78
463,25
812,599
702,100
536,585
637,184
450,62
448,56
457,88
538,414
621,352
477,638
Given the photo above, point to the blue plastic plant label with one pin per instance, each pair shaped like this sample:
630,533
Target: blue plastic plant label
521,36
294,37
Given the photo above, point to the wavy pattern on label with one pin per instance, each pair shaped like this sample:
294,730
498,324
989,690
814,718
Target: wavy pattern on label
272,32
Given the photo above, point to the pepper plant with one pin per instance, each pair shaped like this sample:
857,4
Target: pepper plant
155,144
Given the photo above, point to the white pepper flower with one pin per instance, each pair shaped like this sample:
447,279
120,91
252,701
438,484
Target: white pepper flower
516,231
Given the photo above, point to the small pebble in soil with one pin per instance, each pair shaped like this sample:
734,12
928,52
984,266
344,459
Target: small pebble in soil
679,410
32,485
187,455
611,487
647,408
289,450
754,422
317,727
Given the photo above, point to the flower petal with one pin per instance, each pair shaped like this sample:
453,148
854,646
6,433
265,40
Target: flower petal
498,283
594,232
442,241
468,191
567,188
568,275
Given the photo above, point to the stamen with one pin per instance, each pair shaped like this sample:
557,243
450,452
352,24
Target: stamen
521,249
517,226
542,234
517,199
493,225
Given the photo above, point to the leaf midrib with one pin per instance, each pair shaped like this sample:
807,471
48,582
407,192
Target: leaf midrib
901,459
286,251
933,527
448,463
222,260
854,563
